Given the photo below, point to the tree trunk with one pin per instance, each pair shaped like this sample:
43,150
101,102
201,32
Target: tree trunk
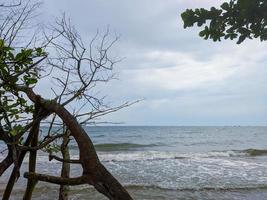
32,165
14,174
65,171
96,174
5,164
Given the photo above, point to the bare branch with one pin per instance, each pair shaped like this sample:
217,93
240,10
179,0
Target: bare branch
56,180
42,145
11,5
51,157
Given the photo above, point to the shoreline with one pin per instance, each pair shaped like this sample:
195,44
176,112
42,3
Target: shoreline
139,192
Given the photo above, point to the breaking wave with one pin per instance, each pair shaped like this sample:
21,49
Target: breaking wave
157,155
221,189
121,146
118,146
116,153
255,152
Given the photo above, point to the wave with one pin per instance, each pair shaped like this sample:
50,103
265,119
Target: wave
98,136
254,152
121,146
208,188
238,153
157,155
112,152
244,153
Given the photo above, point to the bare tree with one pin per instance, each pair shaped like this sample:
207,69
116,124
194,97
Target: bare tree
76,102
14,4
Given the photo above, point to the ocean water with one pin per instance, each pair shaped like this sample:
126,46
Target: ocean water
169,163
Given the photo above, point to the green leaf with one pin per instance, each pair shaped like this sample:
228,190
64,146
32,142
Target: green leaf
2,43
241,39
30,81
225,6
202,33
13,132
39,51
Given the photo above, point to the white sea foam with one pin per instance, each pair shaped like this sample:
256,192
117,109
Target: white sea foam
153,155
157,155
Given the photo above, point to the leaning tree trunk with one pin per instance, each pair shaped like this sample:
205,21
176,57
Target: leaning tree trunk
15,172
94,172
32,158
5,164
65,171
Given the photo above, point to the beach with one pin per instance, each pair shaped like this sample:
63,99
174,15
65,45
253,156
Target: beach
169,163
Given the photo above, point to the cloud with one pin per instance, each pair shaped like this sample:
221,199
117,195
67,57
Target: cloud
185,73
184,79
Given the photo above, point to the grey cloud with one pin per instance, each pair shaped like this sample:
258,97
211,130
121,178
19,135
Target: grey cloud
153,26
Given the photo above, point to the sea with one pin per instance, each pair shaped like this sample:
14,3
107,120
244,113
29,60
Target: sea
174,163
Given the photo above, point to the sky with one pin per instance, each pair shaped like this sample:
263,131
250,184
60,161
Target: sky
182,79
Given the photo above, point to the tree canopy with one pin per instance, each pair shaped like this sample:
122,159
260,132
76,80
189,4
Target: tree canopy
236,19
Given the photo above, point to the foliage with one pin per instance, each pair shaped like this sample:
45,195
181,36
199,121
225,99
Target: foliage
239,19
17,67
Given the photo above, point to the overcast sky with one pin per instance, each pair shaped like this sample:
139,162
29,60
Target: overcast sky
183,79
